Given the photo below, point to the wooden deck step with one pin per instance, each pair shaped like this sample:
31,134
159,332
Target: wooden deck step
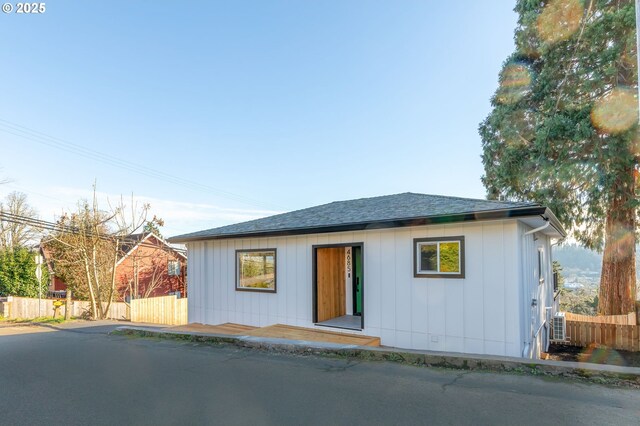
281,331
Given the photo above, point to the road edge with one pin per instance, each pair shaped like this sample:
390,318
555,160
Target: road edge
593,373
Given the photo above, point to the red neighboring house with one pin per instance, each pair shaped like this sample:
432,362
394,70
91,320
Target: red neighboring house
148,267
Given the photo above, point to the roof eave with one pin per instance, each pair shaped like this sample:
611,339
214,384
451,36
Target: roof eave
395,223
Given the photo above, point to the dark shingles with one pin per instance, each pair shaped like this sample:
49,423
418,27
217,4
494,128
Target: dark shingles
129,242
364,210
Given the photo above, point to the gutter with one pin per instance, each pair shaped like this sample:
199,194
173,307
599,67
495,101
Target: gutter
533,231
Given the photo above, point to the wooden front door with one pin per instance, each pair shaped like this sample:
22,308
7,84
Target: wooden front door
330,283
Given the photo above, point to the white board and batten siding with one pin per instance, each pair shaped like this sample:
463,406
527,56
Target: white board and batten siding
537,284
478,314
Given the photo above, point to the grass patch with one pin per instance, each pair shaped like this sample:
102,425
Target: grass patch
38,320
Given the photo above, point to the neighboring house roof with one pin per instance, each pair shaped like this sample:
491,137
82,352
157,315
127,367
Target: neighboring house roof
127,245
131,242
407,209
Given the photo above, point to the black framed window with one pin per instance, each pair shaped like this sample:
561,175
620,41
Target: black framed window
441,257
256,270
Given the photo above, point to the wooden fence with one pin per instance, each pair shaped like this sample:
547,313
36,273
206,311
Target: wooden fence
13,307
167,310
629,319
159,310
612,331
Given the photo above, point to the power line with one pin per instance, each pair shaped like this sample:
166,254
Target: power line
63,203
35,223
61,144
56,227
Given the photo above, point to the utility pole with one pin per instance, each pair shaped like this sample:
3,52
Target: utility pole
39,277
636,171
638,52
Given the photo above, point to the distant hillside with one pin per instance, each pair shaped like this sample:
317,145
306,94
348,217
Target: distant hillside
575,257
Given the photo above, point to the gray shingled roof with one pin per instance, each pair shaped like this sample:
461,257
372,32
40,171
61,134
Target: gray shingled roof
384,210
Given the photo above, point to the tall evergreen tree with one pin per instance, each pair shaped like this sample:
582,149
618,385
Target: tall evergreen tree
563,130
18,273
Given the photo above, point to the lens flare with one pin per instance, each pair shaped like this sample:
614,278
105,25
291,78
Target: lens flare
623,240
600,355
615,112
515,82
517,128
559,20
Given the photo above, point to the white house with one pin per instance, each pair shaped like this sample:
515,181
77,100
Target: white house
419,271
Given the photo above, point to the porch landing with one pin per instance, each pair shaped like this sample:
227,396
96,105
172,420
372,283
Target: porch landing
281,331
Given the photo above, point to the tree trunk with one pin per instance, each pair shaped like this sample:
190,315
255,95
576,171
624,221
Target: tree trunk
96,277
92,297
617,294
67,306
112,290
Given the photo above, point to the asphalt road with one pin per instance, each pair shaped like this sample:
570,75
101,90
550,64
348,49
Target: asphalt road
79,375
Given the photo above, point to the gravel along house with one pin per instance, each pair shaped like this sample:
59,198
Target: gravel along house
419,271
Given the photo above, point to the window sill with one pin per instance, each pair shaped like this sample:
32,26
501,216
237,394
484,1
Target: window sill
458,276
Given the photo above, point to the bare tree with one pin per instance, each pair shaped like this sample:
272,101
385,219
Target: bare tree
156,277
149,272
152,277
16,233
86,258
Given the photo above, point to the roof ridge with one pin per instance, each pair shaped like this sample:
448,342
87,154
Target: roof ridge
450,197
472,199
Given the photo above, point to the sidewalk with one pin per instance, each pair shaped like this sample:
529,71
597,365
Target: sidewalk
603,374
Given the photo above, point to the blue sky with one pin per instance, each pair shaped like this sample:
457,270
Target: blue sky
247,107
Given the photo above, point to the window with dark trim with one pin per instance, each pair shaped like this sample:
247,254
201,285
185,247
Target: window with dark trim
441,257
256,270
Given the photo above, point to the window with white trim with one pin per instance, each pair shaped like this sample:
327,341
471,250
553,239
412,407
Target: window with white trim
540,264
174,268
441,257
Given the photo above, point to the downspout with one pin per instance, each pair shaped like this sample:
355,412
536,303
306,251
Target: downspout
560,241
540,328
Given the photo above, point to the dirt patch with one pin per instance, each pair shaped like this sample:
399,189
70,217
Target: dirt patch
594,355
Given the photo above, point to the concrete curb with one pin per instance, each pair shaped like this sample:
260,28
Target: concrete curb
598,373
